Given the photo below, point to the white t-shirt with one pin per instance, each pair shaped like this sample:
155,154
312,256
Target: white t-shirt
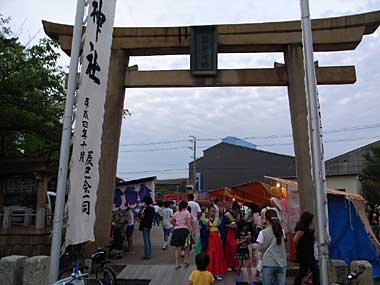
157,209
260,237
167,214
130,218
195,208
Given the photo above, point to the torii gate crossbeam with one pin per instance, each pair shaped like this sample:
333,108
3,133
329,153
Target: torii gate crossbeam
329,34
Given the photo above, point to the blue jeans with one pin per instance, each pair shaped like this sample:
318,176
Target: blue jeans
274,275
156,219
147,244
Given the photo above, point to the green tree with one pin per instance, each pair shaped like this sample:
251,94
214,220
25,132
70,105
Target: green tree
31,97
371,175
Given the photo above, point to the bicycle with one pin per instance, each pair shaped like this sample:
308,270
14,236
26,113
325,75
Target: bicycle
76,278
352,276
72,268
105,274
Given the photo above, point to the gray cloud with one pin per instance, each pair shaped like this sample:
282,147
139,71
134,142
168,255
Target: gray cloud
172,114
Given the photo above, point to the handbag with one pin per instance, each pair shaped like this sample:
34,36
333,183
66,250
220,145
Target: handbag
259,265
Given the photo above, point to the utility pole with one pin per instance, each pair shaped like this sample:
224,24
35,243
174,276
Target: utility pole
193,140
65,144
315,131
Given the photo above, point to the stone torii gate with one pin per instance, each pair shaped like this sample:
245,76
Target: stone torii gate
329,34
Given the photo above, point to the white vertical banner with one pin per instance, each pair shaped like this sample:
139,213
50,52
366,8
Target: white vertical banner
84,165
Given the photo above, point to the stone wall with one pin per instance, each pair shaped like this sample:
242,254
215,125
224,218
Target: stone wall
338,272
12,269
36,270
28,245
20,270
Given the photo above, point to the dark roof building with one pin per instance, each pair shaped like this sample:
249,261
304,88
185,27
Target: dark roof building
349,163
172,185
228,164
232,162
343,172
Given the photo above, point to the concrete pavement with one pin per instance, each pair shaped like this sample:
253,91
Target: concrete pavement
160,269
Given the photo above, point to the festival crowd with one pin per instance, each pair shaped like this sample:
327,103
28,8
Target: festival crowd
223,239
373,214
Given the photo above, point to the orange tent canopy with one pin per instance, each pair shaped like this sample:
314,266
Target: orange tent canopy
256,192
331,191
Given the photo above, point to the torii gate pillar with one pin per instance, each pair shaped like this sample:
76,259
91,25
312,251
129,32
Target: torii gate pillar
113,115
299,118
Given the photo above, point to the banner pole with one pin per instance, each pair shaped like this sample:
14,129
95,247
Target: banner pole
65,144
316,143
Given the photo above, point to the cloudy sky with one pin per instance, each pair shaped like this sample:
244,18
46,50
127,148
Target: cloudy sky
165,115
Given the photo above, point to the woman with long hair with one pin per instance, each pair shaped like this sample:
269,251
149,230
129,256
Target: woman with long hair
272,250
304,242
146,225
182,222
230,221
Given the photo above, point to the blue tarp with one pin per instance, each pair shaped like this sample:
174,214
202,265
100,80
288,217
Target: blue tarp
349,239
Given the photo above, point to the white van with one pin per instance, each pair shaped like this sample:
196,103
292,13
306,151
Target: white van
50,206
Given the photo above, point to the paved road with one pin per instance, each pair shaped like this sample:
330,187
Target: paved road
160,268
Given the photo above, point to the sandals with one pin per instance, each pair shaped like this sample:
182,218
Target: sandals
177,267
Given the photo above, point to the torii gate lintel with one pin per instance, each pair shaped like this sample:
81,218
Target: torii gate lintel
329,34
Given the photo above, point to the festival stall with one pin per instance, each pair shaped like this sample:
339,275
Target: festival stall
132,193
251,192
174,197
351,235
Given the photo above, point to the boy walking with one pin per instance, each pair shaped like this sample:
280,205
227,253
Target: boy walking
167,214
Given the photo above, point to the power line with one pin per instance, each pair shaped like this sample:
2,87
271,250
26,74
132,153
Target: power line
155,149
277,136
259,145
174,170
355,128
329,165
158,171
155,143
274,136
327,141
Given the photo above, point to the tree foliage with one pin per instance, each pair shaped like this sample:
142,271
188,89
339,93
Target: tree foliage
371,175
31,96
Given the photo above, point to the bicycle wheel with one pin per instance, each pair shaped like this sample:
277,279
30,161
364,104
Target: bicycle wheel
71,281
105,276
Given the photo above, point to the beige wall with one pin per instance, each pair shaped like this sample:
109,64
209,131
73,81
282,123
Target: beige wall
349,183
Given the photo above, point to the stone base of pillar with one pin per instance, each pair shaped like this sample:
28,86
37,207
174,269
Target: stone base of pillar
36,270
366,277
337,271
12,269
